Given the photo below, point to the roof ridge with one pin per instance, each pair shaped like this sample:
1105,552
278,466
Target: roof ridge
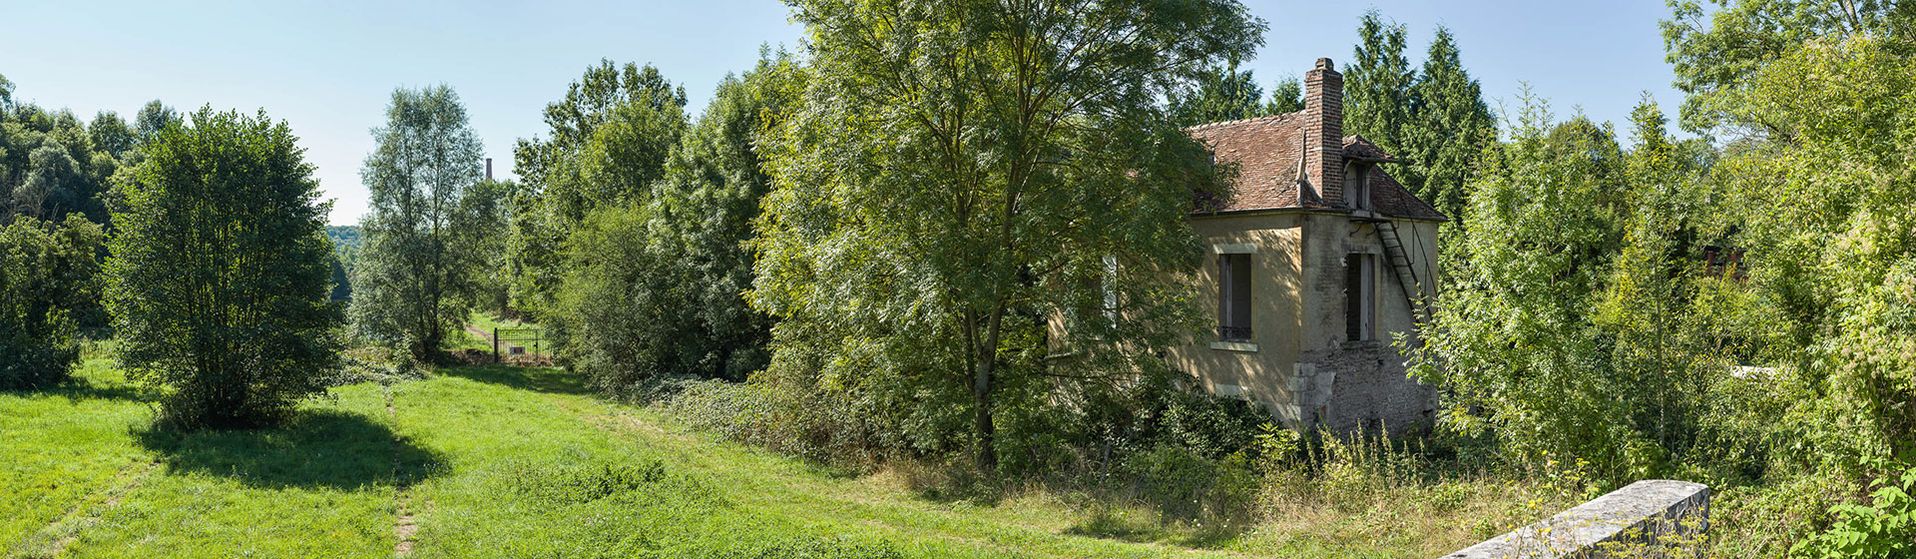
1223,123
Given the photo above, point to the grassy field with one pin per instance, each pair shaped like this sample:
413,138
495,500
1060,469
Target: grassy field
512,462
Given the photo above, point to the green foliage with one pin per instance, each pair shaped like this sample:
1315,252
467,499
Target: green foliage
956,173
1220,94
1185,485
1577,321
1719,52
153,117
1377,83
52,165
415,279
49,272
656,286
609,141
1449,128
346,245
1883,529
218,276
1286,97
111,134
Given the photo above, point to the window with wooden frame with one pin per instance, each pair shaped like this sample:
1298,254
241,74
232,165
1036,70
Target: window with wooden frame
1360,284
1234,297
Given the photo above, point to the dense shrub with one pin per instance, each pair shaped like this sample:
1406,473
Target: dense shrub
1885,528
219,276
48,272
656,285
1182,484
814,426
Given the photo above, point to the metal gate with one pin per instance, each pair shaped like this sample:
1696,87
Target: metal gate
519,343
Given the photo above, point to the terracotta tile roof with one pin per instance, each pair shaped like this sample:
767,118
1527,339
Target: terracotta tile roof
1267,151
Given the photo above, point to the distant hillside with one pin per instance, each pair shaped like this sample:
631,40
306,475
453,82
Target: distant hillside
346,243
344,235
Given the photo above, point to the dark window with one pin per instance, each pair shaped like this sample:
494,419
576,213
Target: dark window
1234,297
1360,186
1358,285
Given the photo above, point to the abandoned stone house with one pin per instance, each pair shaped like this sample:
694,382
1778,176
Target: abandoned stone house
1318,258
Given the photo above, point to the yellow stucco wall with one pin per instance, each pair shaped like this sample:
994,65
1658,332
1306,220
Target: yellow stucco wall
1260,370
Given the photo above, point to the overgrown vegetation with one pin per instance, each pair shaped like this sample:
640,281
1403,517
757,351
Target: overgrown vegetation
509,462
935,253
927,217
48,274
654,285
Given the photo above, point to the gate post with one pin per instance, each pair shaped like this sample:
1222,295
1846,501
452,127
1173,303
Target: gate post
495,344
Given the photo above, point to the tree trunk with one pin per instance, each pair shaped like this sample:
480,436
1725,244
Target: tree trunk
985,367
981,408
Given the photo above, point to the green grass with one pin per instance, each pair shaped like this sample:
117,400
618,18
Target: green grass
510,462
59,448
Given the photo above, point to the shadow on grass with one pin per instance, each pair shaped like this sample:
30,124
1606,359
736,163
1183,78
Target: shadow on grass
82,389
539,379
1139,525
317,449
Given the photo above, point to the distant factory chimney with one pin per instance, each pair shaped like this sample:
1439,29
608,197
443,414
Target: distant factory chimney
488,168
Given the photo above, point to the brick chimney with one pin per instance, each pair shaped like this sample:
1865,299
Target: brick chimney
1324,131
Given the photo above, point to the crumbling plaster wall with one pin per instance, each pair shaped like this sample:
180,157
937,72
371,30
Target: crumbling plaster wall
1349,384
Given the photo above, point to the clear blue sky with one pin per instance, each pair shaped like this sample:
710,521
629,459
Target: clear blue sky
329,67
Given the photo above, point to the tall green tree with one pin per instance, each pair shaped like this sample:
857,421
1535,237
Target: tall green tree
1719,53
49,273
1449,127
50,167
414,277
1377,84
957,172
608,140
111,134
6,94
218,277
1816,97
1580,321
153,117
1221,94
657,286
485,216
1286,97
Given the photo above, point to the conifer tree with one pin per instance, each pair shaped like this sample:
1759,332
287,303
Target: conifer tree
1377,84
1450,126
1286,97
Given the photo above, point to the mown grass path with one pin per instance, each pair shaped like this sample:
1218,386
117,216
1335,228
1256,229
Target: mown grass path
473,462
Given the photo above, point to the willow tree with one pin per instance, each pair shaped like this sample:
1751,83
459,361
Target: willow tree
961,170
414,278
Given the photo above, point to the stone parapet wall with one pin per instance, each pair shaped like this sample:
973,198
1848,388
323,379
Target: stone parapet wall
1646,519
